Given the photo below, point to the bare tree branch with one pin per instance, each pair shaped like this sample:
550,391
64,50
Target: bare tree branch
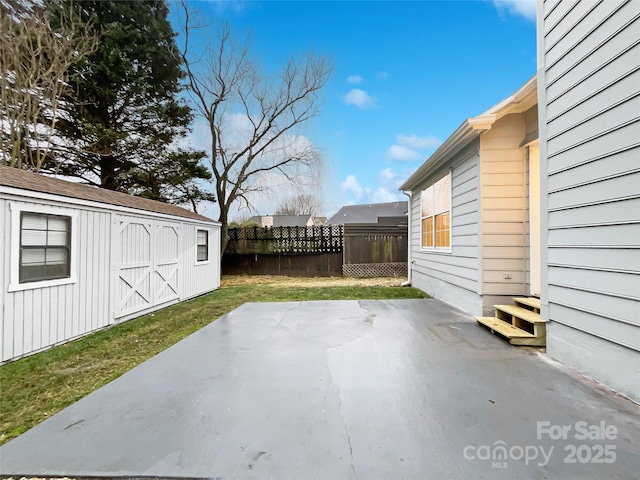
254,120
35,58
299,205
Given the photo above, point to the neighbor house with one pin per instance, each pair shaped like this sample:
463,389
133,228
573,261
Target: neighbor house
76,259
589,98
284,220
390,213
474,236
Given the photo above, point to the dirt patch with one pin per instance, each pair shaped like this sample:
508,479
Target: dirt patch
282,281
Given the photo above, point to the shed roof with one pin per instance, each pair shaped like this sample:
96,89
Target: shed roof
25,180
521,100
368,213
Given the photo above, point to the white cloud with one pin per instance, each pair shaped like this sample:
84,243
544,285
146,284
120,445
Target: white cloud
352,185
390,179
387,191
382,195
409,147
402,153
382,75
384,189
418,143
355,79
387,174
524,8
359,98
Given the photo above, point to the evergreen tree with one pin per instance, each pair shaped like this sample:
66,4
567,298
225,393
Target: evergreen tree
127,113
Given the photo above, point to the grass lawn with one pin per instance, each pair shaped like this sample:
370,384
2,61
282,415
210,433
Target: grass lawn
37,387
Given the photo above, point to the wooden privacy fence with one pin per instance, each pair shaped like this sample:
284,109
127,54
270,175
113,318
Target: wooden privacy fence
292,251
350,250
375,250
253,240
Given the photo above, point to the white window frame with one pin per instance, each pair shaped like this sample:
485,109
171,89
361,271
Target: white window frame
448,249
16,211
203,262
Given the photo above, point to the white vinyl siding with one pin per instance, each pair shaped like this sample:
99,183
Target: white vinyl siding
200,277
452,275
41,316
591,83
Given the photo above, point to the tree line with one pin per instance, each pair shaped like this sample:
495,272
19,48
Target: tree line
106,91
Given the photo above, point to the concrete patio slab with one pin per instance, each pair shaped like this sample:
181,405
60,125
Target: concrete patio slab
345,389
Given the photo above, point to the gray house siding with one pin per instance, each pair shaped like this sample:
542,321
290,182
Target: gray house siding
452,277
589,86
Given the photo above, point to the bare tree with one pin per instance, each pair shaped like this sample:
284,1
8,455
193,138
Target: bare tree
35,58
254,120
299,205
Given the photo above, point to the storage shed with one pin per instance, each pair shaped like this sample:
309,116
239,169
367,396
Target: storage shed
76,259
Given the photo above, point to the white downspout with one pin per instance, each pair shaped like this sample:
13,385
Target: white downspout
407,283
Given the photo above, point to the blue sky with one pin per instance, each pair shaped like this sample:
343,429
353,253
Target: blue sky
406,75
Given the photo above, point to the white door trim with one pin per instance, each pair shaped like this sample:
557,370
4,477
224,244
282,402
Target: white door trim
534,219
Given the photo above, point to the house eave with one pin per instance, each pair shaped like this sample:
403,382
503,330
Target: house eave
464,134
520,101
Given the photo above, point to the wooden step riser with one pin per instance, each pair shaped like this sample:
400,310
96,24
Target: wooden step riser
519,341
536,329
514,334
531,342
529,303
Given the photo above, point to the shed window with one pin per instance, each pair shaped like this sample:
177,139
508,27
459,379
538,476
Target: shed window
44,247
203,246
436,214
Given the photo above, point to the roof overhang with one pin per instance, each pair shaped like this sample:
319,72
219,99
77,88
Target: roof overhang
463,135
520,101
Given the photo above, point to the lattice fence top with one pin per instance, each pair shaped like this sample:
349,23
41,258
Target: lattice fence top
322,239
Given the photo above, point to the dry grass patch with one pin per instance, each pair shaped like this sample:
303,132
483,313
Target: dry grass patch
282,281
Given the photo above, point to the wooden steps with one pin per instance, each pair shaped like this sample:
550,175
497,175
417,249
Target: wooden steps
521,323
532,302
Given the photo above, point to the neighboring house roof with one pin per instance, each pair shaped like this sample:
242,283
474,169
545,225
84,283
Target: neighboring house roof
22,179
368,213
520,101
292,220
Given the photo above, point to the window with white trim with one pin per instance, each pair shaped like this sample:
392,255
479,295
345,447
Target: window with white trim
203,246
45,247
436,215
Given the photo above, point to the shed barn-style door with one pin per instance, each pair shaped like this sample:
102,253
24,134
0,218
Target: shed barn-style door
147,264
166,265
